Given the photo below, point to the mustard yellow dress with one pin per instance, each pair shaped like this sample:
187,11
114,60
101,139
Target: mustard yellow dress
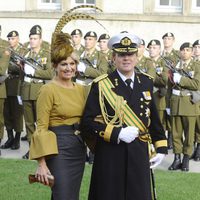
59,111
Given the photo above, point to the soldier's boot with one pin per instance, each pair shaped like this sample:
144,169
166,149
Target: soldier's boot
185,163
26,156
197,155
176,163
194,151
24,138
16,143
169,141
9,141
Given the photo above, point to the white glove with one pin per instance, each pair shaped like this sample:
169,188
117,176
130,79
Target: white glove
177,78
29,70
168,111
81,67
128,134
156,160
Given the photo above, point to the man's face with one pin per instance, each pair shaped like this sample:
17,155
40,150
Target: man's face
76,39
90,42
154,51
196,50
168,42
141,50
186,54
125,63
35,41
13,41
103,44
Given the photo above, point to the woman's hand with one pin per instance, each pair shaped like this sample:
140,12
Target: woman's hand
42,172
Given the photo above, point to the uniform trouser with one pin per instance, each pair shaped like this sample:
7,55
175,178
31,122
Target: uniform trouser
197,130
168,122
162,116
1,118
186,125
29,107
13,114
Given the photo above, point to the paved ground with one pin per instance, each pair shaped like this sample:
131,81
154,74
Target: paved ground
8,153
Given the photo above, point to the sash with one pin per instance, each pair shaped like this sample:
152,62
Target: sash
129,117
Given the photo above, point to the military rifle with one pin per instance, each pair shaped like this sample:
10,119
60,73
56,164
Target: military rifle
15,58
170,66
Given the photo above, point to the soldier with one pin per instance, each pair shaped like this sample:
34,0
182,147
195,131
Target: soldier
76,39
45,45
35,76
186,80
172,56
92,64
144,63
123,109
196,154
13,110
160,82
4,61
103,45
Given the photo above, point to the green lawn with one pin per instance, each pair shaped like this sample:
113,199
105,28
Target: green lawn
14,183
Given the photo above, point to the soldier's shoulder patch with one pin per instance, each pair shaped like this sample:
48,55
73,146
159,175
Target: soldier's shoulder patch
100,78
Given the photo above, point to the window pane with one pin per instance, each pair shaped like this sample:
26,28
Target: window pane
79,1
90,1
56,1
45,1
164,2
198,3
176,3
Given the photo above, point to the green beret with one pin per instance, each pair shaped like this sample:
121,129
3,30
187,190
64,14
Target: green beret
76,32
154,42
197,42
186,45
90,34
36,30
168,35
104,37
13,34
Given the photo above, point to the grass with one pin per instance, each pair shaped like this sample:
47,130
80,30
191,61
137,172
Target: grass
14,183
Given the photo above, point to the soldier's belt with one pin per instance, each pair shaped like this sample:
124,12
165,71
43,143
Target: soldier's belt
181,92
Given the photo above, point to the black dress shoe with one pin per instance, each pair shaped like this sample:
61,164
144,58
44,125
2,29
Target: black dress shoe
185,163
176,163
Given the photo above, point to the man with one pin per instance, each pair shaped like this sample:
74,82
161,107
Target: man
183,110
35,76
103,45
161,78
145,64
13,111
92,62
4,61
122,119
44,44
172,55
196,154
76,39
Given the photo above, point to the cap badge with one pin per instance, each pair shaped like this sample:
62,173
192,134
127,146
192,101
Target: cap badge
126,41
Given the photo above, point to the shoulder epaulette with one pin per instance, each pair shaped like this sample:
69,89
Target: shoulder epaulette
100,78
151,77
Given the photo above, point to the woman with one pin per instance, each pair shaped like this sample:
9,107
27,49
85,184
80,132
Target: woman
56,144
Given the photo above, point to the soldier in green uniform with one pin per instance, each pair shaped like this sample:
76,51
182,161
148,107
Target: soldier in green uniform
186,80
76,39
144,63
196,154
160,81
92,64
4,61
45,45
13,111
172,56
103,45
35,77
